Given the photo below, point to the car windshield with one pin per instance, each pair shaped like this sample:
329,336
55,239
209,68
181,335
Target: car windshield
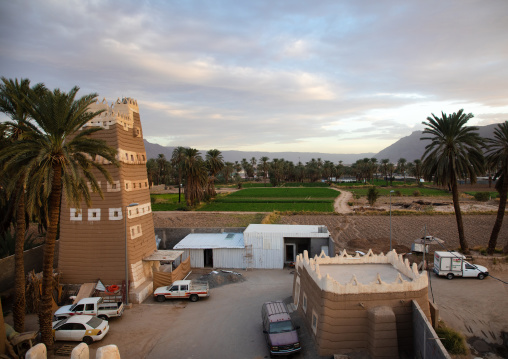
60,323
281,327
94,322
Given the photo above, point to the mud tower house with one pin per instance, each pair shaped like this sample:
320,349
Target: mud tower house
92,240
358,302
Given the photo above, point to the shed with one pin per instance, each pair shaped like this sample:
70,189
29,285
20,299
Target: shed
273,245
219,250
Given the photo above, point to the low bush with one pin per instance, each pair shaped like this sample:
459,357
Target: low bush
350,204
398,193
372,195
453,341
417,193
482,196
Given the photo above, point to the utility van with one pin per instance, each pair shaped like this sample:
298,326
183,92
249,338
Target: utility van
280,333
453,264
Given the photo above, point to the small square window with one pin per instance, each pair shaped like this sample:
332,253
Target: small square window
139,184
76,214
137,210
115,213
146,184
143,157
132,157
134,185
132,231
126,186
126,156
139,229
94,214
113,186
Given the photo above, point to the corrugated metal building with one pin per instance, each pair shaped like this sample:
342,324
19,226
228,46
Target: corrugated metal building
216,250
260,246
272,245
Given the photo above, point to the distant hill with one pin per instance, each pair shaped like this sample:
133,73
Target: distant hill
409,147
412,148
153,150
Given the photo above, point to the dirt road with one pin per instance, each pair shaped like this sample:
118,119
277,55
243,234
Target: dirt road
341,203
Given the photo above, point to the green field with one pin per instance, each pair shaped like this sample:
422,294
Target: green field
167,202
275,199
430,192
287,184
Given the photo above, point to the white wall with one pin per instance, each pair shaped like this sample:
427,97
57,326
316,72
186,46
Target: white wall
267,249
229,258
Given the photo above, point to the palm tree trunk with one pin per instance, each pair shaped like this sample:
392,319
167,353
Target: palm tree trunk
45,309
458,215
18,310
499,218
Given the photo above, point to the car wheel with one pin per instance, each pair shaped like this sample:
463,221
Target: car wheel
103,317
481,276
450,276
194,298
87,340
161,298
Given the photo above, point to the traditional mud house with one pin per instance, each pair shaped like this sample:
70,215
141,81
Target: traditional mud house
273,245
359,303
93,240
219,250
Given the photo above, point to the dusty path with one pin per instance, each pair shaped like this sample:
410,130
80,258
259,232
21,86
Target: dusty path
340,205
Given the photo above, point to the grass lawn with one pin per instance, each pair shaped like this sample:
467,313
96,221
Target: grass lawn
275,199
167,202
287,184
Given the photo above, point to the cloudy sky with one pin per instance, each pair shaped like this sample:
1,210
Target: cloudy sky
308,76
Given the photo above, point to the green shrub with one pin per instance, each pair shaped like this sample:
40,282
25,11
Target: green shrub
453,341
398,193
372,195
482,196
417,193
350,203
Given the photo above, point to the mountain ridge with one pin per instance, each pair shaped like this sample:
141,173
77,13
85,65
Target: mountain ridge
409,147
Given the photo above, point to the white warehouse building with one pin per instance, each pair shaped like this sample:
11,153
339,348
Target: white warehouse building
260,246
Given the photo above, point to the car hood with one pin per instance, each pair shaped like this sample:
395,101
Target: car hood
160,290
284,338
482,268
64,309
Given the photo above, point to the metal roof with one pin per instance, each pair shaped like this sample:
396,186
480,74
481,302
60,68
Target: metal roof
317,231
211,240
163,255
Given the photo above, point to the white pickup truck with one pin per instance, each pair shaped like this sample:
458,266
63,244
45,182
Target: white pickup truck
453,264
182,289
93,306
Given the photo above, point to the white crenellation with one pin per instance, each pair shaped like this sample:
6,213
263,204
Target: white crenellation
136,185
327,283
120,112
139,210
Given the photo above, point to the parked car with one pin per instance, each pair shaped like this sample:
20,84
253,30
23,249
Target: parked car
453,264
94,306
80,328
182,289
280,333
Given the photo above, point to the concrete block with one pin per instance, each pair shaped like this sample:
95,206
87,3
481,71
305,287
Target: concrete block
37,352
108,352
80,352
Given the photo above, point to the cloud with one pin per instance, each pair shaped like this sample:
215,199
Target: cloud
234,75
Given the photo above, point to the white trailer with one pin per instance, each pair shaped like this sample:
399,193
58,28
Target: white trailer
453,264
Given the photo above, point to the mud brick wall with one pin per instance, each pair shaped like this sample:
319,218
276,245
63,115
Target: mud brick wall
343,319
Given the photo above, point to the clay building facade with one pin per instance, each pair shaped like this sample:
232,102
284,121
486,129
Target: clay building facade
92,240
359,302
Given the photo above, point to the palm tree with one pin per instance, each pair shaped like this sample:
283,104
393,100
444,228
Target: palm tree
59,157
401,167
454,149
177,159
194,169
418,170
497,157
264,167
13,95
228,169
151,170
384,165
215,164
